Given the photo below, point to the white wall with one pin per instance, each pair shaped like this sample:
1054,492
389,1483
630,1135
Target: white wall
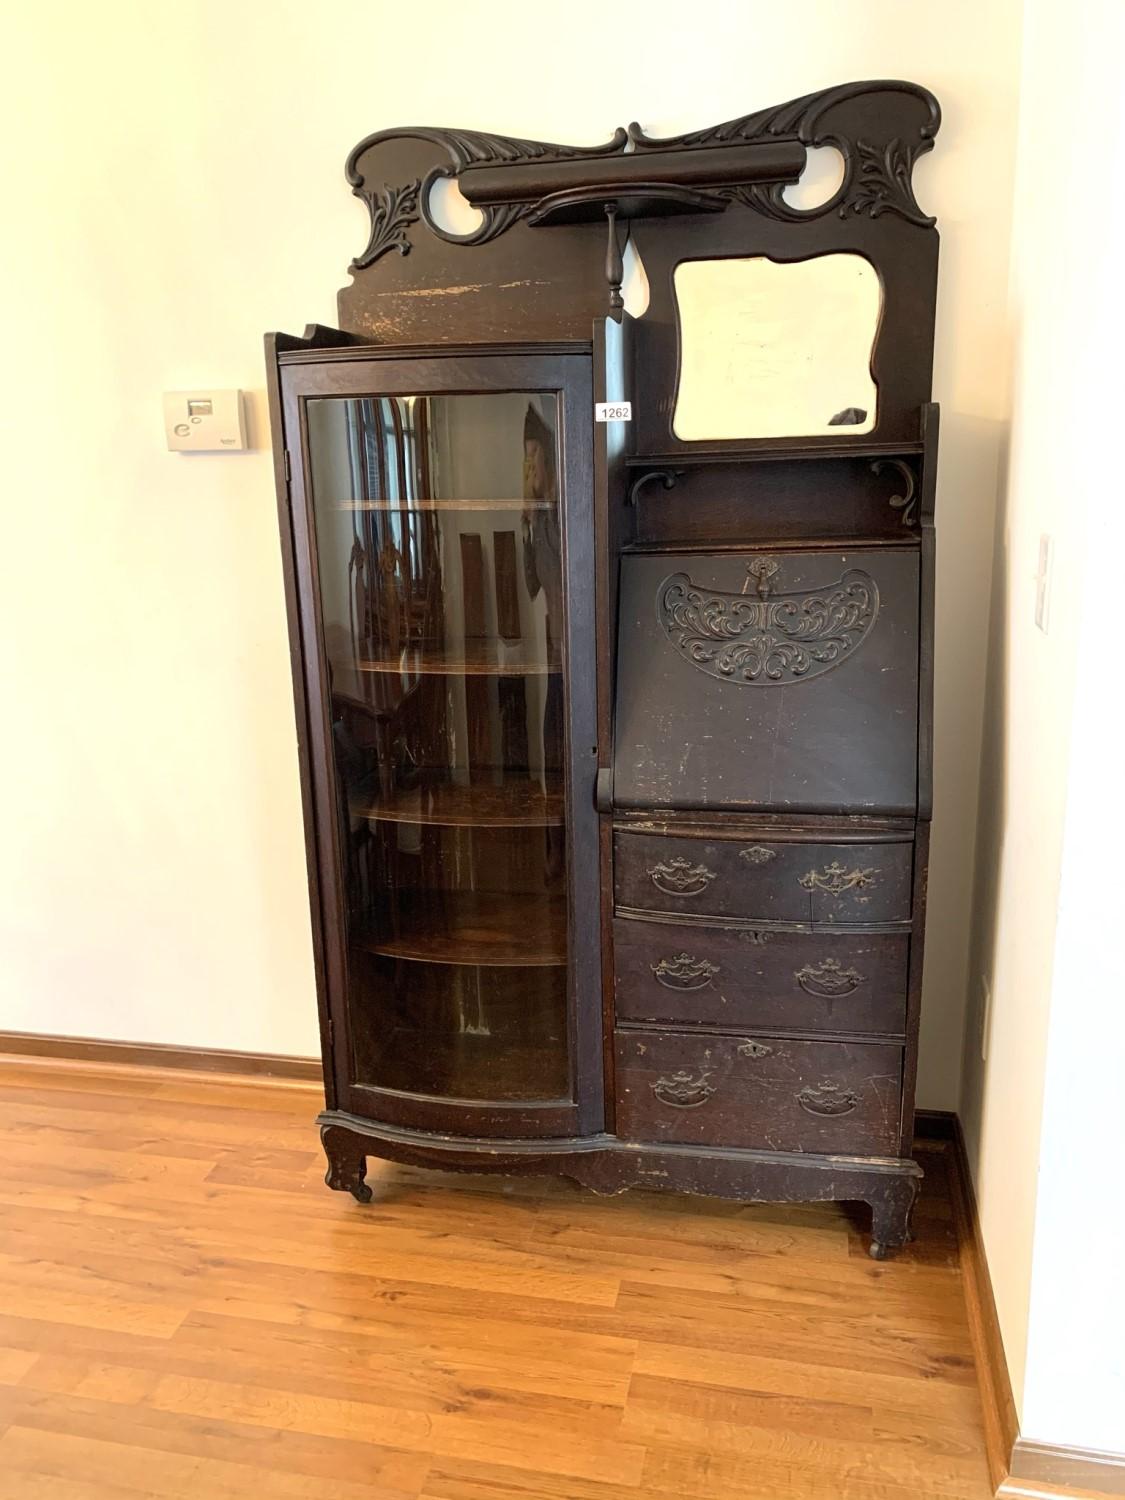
1052,1232
176,189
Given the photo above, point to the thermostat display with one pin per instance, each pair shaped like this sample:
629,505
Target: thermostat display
204,421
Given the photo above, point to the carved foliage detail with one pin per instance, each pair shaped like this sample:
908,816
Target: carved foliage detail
772,638
685,972
463,148
877,178
392,212
882,183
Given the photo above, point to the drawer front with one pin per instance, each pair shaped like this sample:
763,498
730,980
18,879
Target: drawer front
841,1098
796,981
763,879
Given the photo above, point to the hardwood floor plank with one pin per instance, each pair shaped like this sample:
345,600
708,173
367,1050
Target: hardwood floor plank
186,1311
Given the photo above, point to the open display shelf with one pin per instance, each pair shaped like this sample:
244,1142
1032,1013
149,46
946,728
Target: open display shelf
483,928
510,803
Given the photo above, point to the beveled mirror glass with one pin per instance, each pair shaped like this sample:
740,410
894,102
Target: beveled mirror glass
776,349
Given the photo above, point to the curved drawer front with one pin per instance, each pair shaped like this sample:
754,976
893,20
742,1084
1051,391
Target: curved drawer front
722,976
759,1093
768,880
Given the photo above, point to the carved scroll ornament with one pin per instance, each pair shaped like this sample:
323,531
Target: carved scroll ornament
879,141
769,638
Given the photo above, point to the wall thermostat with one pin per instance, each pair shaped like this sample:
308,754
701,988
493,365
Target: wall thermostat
204,421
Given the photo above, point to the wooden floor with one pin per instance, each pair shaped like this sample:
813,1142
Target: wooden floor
185,1310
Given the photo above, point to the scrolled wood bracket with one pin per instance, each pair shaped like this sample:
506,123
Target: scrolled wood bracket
907,502
667,477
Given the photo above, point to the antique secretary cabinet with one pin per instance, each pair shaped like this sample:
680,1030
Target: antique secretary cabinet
615,734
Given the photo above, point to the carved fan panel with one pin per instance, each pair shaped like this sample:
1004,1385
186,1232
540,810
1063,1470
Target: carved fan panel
767,638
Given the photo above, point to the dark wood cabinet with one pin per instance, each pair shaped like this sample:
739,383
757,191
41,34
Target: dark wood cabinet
613,699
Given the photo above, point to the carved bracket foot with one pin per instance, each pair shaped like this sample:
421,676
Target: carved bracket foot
347,1163
891,1213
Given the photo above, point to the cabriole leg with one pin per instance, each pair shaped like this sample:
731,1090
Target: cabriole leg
892,1208
347,1163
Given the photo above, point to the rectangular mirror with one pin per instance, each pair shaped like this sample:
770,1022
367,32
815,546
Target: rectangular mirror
776,349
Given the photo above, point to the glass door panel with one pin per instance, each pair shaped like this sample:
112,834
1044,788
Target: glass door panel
439,555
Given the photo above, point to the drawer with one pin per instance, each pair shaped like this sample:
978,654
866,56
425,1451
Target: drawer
759,1093
763,879
727,976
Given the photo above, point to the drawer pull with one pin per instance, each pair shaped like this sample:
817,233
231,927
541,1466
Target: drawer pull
679,877
684,972
828,980
684,1091
754,1049
834,880
757,854
827,1100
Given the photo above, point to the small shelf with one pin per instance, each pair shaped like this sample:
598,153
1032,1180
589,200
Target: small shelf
474,658
508,804
484,928
428,506
755,450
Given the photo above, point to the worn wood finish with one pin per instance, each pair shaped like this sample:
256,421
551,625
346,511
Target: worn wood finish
760,1093
746,978
708,720
747,667
187,1313
760,879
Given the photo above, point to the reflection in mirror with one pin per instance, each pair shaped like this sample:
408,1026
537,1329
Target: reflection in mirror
771,349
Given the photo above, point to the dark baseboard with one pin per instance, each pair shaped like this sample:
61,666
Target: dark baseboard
935,1124
159,1055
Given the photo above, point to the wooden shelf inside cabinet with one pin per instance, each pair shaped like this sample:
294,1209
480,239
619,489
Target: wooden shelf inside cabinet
427,507
510,804
474,658
483,928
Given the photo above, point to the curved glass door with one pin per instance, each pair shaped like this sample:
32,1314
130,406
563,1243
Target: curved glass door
439,554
